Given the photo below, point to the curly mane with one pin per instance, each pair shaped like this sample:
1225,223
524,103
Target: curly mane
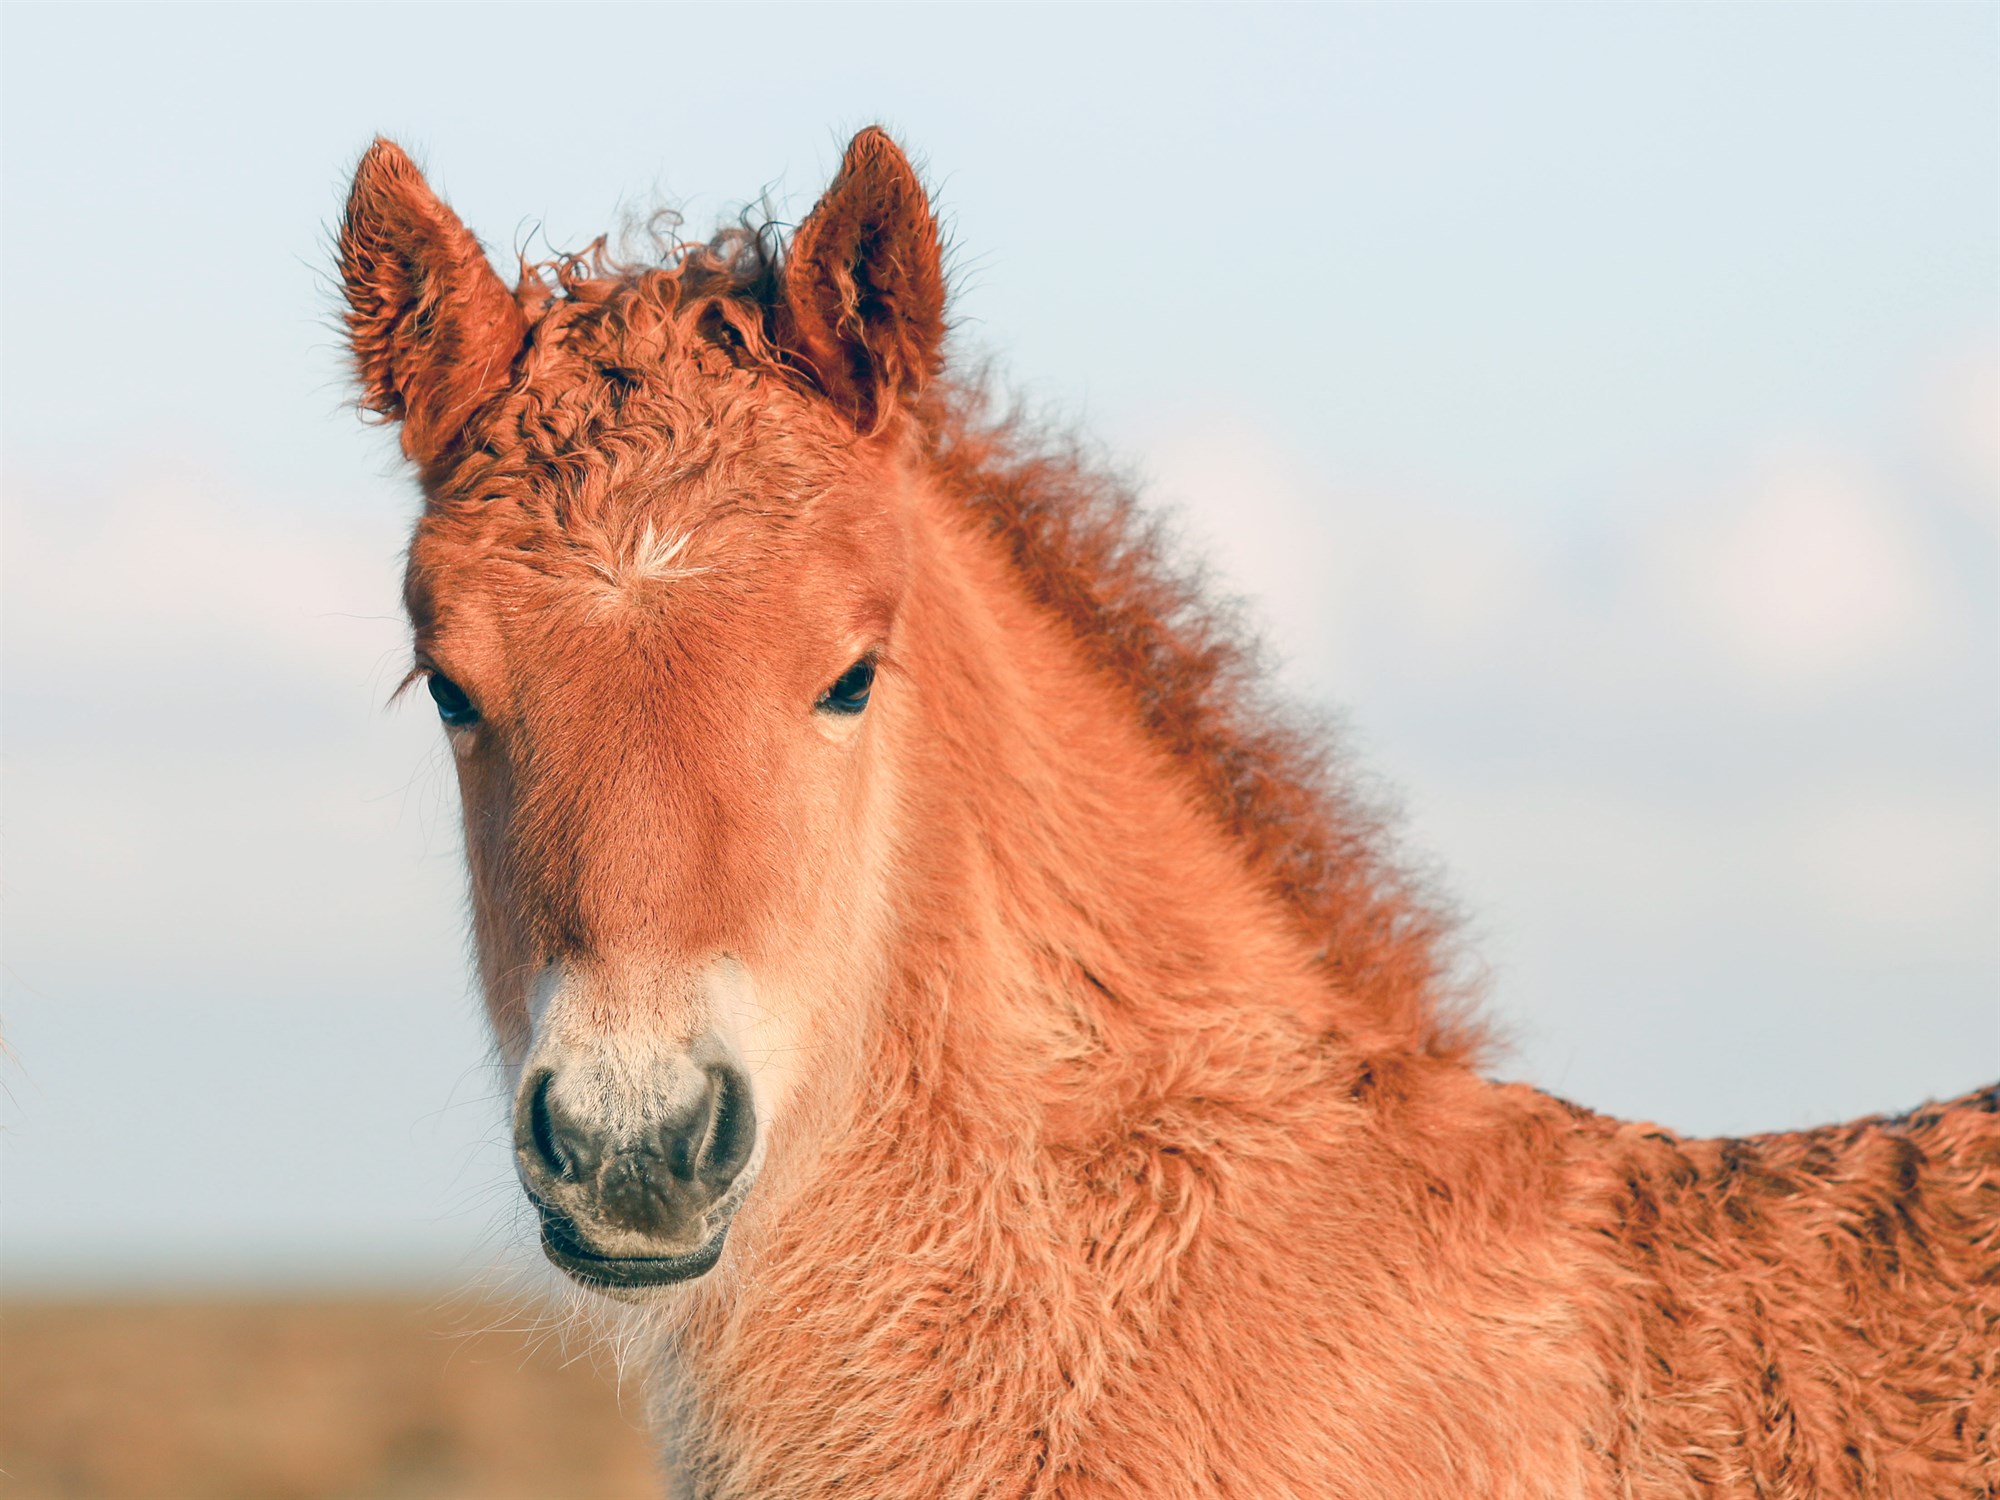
1086,549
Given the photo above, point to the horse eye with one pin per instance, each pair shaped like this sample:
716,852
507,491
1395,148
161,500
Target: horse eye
849,693
453,706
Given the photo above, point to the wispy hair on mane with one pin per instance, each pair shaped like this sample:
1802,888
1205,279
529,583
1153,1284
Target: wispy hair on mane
743,259
1090,552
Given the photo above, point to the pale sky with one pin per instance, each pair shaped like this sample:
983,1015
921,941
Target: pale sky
1594,407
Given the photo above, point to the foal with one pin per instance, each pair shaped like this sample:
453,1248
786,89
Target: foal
989,1057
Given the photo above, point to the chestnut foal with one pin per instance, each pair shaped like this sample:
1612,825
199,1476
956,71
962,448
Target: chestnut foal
987,1055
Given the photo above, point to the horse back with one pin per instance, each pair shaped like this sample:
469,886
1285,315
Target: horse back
1807,1313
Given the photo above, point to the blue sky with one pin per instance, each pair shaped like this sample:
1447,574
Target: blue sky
1594,407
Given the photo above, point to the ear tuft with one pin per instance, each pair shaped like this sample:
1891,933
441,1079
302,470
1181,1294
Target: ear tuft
864,285
433,328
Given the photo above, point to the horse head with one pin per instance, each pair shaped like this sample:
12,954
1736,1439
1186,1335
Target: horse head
655,593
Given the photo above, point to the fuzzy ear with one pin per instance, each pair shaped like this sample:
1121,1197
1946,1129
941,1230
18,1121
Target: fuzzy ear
433,328
864,284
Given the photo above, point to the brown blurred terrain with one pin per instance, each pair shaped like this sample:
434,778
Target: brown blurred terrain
337,1399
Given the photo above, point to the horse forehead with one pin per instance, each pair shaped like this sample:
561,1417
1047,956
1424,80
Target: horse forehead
697,515
631,542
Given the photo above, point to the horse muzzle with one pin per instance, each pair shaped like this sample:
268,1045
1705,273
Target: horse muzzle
635,1170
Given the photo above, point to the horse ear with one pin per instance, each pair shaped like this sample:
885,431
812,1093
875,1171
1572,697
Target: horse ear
433,328
864,284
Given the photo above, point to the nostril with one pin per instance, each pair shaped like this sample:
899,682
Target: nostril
732,1129
542,1132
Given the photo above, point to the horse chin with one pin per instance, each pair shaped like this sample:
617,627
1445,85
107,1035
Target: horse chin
626,1278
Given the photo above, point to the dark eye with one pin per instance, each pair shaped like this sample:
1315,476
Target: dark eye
453,706
849,693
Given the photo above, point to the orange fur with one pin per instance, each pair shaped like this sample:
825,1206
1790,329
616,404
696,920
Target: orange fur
1132,1145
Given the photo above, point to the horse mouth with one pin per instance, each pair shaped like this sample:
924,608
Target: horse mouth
566,1250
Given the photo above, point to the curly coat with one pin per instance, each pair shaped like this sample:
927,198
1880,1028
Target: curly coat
1144,1152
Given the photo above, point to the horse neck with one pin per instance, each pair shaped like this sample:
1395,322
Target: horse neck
1079,930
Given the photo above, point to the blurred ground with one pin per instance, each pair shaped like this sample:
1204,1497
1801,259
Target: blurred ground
348,1399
